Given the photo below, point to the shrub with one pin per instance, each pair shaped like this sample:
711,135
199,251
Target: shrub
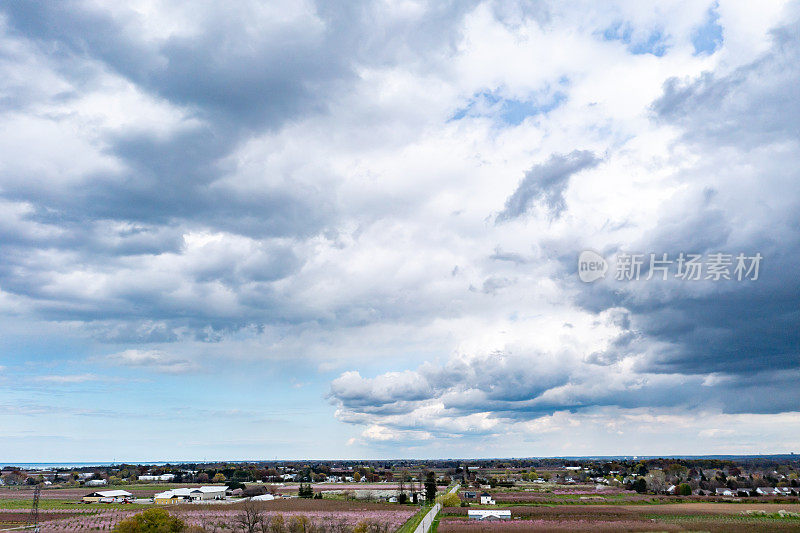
151,521
449,500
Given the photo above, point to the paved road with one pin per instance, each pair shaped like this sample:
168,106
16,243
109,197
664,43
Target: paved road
427,522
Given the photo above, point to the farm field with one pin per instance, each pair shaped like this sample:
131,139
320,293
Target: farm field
712,517
58,515
591,495
69,499
76,493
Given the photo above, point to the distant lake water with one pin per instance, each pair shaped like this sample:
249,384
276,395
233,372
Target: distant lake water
47,466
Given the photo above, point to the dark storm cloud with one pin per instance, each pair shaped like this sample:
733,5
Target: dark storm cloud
546,183
734,327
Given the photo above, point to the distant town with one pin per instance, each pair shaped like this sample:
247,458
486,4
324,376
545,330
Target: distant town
409,496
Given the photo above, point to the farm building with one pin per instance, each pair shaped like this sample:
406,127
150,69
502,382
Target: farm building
96,483
107,496
172,496
486,499
489,514
469,495
190,495
263,498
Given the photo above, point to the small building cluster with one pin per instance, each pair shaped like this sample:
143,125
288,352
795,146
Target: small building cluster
158,478
184,495
761,491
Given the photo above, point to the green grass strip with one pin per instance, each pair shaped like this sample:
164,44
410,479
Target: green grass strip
412,523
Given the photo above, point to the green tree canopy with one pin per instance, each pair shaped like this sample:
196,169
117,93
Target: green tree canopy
449,500
430,486
151,521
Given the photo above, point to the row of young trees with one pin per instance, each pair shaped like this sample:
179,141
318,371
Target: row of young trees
412,496
252,518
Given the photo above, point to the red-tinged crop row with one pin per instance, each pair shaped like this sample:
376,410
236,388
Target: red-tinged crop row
103,521
224,517
549,525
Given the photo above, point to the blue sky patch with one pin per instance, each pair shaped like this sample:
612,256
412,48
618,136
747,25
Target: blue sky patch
708,38
511,111
654,43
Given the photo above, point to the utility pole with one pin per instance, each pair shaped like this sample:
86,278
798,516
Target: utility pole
33,517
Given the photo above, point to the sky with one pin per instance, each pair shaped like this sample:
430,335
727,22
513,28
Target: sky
352,229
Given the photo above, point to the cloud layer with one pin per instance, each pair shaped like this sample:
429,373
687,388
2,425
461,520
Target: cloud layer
384,203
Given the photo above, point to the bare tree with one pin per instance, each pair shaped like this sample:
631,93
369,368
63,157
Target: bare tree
250,517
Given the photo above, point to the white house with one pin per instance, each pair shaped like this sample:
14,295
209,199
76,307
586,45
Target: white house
725,492
489,514
486,499
766,491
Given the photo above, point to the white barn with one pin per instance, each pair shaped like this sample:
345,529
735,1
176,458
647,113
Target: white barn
489,514
208,492
108,496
